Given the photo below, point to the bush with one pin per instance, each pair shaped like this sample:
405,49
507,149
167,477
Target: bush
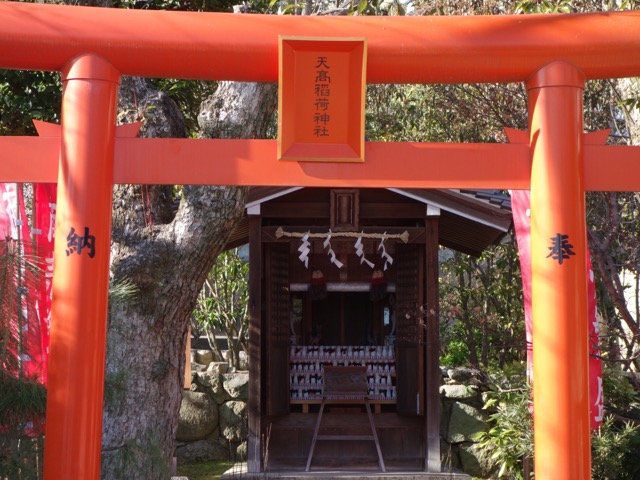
614,451
22,401
620,395
223,306
457,354
22,409
509,440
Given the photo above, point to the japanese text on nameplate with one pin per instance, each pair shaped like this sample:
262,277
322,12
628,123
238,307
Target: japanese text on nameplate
322,95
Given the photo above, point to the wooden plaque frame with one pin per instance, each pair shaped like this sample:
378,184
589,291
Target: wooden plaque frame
321,98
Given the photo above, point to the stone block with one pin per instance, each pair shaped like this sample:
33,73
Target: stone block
237,385
474,462
465,421
202,451
198,416
458,392
218,367
233,420
204,357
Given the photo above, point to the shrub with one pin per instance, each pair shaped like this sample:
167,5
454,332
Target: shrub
509,440
614,451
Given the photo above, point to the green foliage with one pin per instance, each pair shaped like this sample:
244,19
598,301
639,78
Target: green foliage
619,393
482,308
444,113
457,354
21,457
204,470
121,291
383,7
362,7
570,6
630,103
181,5
9,331
499,7
543,6
462,7
223,303
615,251
26,95
22,409
22,401
397,113
509,439
614,450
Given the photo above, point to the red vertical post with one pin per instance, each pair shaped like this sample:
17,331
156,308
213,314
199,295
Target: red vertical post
81,275
559,276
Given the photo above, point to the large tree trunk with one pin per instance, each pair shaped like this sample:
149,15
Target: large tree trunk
165,255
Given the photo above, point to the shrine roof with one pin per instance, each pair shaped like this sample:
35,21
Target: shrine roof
471,220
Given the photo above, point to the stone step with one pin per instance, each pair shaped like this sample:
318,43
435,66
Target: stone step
238,472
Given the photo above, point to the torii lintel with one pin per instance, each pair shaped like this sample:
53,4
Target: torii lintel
415,49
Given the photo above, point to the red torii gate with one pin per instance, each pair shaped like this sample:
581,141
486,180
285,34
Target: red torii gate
552,54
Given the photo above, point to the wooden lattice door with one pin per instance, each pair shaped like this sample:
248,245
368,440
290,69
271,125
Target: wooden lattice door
277,328
409,329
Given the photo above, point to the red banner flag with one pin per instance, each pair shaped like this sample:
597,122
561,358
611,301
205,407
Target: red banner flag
31,275
520,202
520,208
32,353
596,394
8,210
10,330
44,230
19,280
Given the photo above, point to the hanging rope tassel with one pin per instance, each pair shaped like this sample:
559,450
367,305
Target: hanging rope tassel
385,256
304,250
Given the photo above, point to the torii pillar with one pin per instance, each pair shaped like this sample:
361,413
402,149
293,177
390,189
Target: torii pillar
559,274
81,275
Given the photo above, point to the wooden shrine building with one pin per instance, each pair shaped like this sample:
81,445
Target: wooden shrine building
350,277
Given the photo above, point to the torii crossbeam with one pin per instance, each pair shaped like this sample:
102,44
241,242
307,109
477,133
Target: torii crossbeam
553,54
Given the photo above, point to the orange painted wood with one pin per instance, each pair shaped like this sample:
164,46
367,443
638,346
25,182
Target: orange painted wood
253,162
420,49
81,274
559,275
29,159
321,99
47,129
606,167
613,168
